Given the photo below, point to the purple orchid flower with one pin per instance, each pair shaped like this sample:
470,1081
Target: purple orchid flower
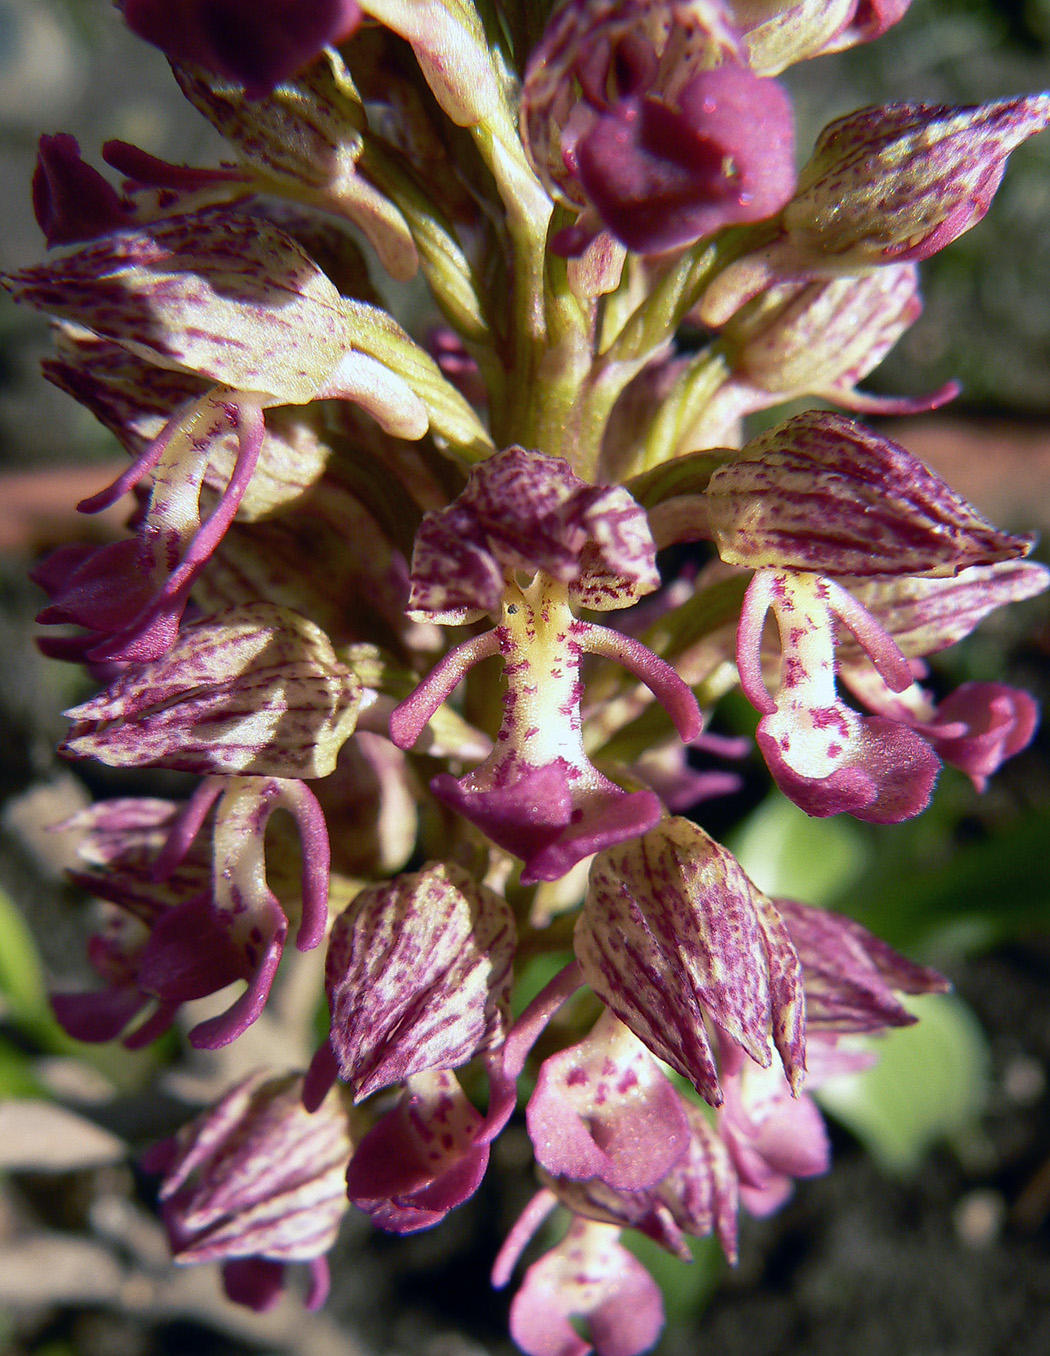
659,152
976,728
673,936
823,755
537,794
772,1135
591,1276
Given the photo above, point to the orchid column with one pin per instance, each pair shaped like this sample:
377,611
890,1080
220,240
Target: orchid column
358,600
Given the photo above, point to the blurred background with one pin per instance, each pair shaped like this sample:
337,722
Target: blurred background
931,1235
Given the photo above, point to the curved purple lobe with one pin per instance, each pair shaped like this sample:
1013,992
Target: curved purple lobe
980,725
71,200
603,1109
420,1160
255,1282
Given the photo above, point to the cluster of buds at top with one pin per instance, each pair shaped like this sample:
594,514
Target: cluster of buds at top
356,600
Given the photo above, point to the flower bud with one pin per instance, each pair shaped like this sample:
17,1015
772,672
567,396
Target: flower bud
308,136
672,934
885,185
901,182
821,492
648,117
255,690
418,977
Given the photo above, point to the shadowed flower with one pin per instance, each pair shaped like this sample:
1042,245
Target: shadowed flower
256,43
255,1183
130,594
818,338
185,938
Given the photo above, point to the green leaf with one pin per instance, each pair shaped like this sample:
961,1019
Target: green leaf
929,1084
16,1073
980,894
21,975
686,1289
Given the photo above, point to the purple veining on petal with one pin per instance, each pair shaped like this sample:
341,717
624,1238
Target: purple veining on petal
254,1183
852,977
522,510
672,933
820,492
418,978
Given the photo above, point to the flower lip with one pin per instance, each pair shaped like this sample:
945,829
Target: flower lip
662,177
